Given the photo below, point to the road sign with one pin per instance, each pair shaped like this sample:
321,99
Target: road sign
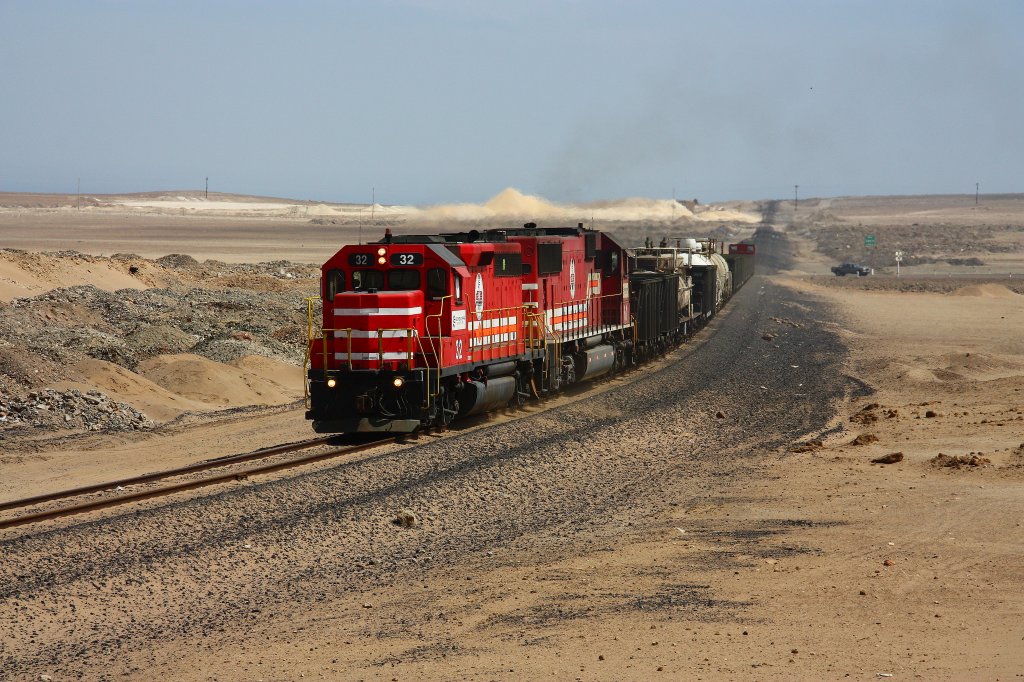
869,240
899,259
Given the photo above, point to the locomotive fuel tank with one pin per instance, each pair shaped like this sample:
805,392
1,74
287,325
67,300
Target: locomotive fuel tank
476,396
597,361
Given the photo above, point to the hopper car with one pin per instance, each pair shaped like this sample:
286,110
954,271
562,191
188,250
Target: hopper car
418,330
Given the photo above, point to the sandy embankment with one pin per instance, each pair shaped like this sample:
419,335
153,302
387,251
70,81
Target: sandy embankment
31,274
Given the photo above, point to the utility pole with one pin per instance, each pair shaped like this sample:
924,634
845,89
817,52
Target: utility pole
207,187
78,191
796,197
976,186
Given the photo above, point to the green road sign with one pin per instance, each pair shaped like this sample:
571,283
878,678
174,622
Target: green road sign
869,240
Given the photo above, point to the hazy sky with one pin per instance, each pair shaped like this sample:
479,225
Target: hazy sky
435,101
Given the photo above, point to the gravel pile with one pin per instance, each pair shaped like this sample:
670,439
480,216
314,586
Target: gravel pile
128,326
218,310
73,409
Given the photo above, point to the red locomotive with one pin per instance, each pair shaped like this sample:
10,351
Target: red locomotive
418,330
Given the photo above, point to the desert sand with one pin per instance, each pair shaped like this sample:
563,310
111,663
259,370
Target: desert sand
800,560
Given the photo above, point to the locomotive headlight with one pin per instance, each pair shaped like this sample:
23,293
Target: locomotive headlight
382,260
381,251
332,382
398,382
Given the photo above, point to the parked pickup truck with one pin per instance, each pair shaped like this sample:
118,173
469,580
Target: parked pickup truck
852,269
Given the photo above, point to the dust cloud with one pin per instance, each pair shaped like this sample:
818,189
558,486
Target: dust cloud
510,203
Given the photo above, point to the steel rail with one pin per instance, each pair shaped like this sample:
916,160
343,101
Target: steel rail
195,484
168,473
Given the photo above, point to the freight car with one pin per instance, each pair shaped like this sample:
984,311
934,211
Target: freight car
706,272
416,331
741,262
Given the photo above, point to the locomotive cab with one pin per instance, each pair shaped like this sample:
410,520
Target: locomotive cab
406,325
384,308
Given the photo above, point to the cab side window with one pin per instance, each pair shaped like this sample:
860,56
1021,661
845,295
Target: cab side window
437,283
334,284
611,264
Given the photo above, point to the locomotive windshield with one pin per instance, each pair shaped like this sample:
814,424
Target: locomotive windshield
403,280
367,279
398,280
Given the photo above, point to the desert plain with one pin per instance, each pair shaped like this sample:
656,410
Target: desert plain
715,515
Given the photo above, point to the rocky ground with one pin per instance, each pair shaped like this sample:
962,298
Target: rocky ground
50,409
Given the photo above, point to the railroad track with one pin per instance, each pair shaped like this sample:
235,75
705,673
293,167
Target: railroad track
118,493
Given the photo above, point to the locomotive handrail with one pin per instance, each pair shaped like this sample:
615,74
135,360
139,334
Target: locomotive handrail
409,334
310,303
557,346
536,329
306,360
311,339
540,316
323,337
593,325
505,347
435,389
